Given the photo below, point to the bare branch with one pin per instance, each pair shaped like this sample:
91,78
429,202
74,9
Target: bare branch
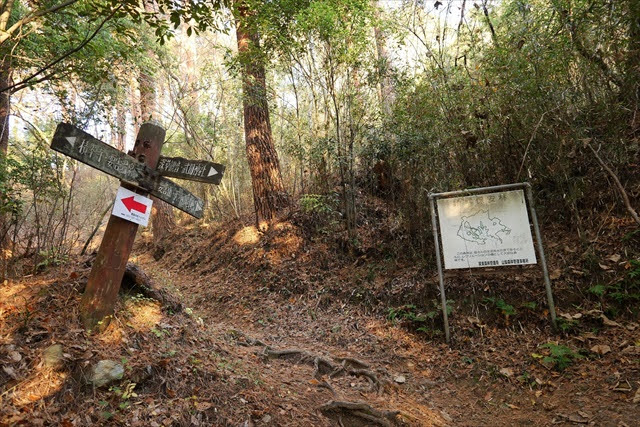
24,83
616,180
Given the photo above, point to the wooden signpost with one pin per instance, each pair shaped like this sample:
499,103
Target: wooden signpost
141,172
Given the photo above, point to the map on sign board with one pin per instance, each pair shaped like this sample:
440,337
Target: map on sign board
132,206
485,230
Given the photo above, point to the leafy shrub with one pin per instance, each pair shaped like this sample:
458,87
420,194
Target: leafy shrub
622,294
505,309
560,357
409,314
315,204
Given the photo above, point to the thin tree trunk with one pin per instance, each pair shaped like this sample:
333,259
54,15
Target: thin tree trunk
5,107
121,127
269,194
387,92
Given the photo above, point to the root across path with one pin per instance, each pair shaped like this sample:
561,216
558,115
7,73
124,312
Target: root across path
345,413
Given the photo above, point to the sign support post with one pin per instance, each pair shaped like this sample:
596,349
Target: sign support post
101,292
477,226
443,298
543,259
142,171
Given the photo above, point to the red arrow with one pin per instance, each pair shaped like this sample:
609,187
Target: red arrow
131,204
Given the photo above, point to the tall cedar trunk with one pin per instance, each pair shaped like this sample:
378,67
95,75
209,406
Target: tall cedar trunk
162,219
269,194
5,104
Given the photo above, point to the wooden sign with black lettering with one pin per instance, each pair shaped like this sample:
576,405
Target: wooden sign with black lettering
81,146
193,170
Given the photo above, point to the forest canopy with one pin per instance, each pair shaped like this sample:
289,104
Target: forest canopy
393,98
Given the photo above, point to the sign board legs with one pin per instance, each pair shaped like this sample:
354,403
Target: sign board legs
443,298
108,268
543,260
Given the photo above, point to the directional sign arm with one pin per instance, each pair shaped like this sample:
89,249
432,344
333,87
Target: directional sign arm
193,170
177,196
81,146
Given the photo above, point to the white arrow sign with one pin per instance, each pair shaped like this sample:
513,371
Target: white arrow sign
212,172
72,140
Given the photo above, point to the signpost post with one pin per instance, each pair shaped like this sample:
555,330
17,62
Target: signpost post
486,227
140,174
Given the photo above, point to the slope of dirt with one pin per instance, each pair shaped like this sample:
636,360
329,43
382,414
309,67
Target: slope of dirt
292,328
290,289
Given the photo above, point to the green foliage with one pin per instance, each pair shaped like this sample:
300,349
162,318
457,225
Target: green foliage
597,290
505,309
420,321
568,325
560,357
484,111
51,257
315,204
10,201
622,294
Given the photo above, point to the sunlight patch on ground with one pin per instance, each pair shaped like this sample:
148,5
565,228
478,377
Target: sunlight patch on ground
42,384
142,315
18,296
247,236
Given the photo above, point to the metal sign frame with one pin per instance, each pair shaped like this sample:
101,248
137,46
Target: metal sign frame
533,218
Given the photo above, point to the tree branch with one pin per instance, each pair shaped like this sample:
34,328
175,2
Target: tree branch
616,180
29,18
24,83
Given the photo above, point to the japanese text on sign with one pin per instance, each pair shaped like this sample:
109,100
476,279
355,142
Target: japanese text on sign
485,230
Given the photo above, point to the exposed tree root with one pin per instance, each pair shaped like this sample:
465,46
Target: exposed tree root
357,414
324,366
345,413
137,280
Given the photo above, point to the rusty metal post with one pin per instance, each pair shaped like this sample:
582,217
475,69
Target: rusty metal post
98,301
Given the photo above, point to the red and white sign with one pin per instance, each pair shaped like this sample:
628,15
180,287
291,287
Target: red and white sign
132,207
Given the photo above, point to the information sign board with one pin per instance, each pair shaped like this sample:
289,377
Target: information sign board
485,230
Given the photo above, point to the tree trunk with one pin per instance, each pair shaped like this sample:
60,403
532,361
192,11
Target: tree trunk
162,219
387,92
5,105
121,127
269,194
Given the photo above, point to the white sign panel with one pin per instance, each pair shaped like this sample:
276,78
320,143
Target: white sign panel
485,230
132,207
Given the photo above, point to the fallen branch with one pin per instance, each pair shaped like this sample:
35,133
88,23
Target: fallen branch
353,413
616,180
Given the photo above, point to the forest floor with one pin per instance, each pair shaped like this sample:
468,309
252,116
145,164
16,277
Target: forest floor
287,329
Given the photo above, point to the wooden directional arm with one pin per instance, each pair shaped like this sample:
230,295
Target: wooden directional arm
83,147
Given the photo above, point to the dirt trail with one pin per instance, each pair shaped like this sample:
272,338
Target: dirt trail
282,330
253,324
288,292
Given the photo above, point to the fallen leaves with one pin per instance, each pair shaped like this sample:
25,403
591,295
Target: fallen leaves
601,349
608,322
507,372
